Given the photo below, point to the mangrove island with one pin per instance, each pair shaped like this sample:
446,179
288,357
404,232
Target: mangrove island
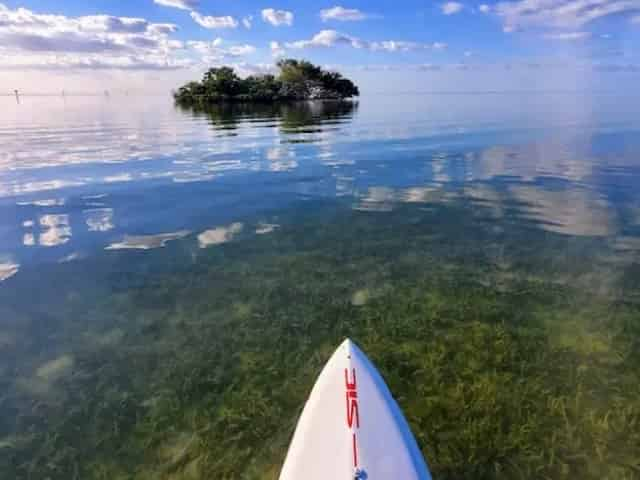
296,80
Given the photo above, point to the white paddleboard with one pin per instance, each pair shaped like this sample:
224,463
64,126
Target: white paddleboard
351,427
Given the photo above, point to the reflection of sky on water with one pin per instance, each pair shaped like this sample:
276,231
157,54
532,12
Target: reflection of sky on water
55,230
8,269
147,242
99,219
264,228
85,175
572,212
219,235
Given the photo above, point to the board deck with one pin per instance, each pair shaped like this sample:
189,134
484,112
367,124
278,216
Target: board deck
352,428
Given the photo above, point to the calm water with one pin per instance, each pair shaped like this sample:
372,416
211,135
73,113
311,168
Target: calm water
171,281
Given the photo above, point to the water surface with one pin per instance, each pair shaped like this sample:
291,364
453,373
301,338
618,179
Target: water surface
171,281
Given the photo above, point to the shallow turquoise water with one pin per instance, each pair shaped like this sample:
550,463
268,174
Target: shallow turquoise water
156,264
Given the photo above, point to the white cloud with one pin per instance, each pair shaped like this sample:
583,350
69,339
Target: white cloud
484,8
277,17
181,4
569,36
214,52
66,62
332,38
561,13
241,50
342,14
636,20
451,8
214,22
277,50
162,28
399,46
34,40
327,38
248,22
205,21
244,69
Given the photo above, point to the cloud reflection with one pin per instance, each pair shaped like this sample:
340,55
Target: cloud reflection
281,159
49,202
56,230
219,235
384,199
572,211
29,240
147,242
8,269
99,219
552,158
264,228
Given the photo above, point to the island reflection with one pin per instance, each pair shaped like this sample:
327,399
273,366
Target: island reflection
294,117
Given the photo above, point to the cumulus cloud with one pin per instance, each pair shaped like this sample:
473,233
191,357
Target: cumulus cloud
66,62
332,38
244,69
30,39
205,21
34,41
214,22
181,4
69,42
162,28
451,8
561,13
484,8
216,52
400,46
277,50
248,22
241,50
277,17
568,36
327,38
342,14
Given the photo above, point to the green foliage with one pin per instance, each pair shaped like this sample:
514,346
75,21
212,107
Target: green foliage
297,80
222,80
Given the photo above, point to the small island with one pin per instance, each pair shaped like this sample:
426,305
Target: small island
296,80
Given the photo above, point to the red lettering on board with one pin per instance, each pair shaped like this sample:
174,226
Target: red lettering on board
352,399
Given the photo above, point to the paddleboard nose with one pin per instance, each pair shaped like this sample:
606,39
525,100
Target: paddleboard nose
346,346
351,427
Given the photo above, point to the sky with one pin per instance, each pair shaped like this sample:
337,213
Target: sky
152,46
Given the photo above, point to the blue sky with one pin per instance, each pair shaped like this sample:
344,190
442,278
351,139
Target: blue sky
465,44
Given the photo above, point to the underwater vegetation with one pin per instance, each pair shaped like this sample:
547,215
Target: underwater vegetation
513,351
